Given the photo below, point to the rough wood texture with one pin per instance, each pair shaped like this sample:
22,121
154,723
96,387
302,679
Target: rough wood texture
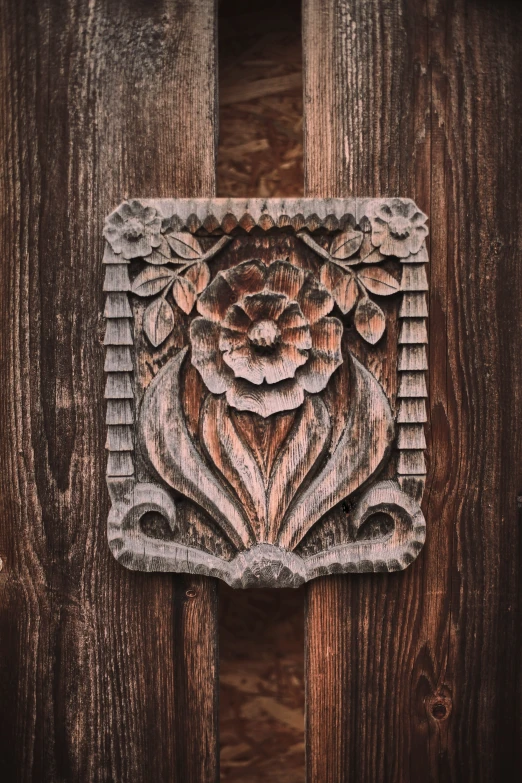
105,675
280,328
416,676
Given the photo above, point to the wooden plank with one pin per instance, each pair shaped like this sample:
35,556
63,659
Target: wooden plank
417,671
105,674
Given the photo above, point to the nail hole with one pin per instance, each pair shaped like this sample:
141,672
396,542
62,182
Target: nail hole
439,711
191,593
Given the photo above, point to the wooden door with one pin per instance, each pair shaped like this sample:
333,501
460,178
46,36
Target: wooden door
111,675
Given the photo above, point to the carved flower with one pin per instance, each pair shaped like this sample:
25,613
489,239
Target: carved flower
398,228
133,230
264,337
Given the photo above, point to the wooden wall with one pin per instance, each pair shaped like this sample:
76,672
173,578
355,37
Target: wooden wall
416,676
106,675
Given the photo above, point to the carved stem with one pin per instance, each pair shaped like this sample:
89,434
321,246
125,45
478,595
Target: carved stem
308,240
208,255
216,248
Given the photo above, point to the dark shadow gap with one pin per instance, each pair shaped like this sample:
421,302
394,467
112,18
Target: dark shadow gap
261,638
261,154
260,149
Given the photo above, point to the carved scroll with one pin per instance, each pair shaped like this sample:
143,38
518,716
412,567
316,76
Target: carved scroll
266,386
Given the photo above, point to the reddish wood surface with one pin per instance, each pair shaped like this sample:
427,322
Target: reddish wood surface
416,676
106,675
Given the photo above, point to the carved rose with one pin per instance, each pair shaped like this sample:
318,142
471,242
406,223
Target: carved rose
398,228
133,230
264,338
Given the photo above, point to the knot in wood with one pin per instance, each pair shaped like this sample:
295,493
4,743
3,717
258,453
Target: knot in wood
264,334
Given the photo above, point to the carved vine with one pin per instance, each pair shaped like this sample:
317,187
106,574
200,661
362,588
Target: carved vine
136,231
351,273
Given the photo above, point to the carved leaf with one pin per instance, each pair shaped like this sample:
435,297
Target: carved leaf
199,276
346,294
360,450
166,442
302,450
369,320
378,281
346,244
185,245
341,285
331,275
370,254
184,294
151,281
158,321
161,254
374,257
235,460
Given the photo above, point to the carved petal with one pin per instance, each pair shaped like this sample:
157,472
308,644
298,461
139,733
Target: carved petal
166,441
400,247
265,400
302,450
229,339
246,278
135,248
299,336
314,300
318,370
216,299
291,318
237,319
283,364
327,335
417,237
264,305
285,278
124,212
206,356
325,356
235,460
245,364
362,447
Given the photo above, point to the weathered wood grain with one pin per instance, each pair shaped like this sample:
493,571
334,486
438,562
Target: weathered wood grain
105,674
414,676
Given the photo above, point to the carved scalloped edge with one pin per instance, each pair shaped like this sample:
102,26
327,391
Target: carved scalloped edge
228,214
265,565
412,367
119,391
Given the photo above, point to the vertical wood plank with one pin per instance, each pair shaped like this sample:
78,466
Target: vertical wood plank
414,675
106,674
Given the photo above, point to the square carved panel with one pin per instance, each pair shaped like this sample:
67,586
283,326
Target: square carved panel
266,386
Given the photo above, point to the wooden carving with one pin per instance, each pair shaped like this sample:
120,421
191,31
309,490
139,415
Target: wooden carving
266,386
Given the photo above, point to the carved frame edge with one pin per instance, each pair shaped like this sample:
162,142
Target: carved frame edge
136,551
